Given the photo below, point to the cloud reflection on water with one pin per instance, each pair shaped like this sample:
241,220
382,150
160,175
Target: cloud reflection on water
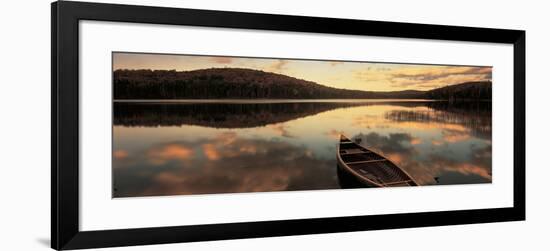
234,165
293,150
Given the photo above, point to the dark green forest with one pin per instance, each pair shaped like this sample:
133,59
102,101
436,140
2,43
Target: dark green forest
237,83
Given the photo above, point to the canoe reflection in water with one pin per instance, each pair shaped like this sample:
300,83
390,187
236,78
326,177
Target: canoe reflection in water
360,167
184,148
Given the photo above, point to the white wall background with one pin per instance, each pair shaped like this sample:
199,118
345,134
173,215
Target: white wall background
25,128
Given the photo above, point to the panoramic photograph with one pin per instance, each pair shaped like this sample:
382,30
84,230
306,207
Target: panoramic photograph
196,124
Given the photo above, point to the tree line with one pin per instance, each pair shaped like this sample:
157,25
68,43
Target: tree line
238,83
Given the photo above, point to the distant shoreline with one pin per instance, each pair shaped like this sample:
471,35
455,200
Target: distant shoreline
270,101
237,83
267,101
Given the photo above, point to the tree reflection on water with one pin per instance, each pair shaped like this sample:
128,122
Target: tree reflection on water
205,148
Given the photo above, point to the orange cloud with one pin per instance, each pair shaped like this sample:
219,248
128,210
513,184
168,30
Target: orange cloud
437,143
120,154
250,149
416,141
453,136
422,77
210,152
247,165
334,134
224,147
169,152
226,138
468,169
395,158
281,130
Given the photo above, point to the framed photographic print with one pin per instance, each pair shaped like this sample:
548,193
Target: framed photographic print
177,125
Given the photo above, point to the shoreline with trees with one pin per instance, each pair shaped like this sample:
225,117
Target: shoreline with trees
241,83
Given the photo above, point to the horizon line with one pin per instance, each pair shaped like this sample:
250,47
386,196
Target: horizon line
174,70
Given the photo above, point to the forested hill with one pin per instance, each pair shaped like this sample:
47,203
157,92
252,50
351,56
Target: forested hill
464,91
237,83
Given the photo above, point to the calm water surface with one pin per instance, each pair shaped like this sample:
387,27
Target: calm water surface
196,147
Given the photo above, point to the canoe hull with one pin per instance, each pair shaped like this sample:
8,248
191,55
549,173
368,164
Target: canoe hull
348,180
359,166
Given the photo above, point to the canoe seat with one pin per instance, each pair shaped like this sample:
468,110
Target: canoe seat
366,161
352,151
354,156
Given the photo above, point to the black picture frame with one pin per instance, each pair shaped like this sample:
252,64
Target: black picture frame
65,233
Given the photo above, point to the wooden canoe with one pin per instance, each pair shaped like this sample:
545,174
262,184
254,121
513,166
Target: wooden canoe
370,168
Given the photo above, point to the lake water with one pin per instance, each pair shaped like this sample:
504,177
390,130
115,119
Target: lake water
229,146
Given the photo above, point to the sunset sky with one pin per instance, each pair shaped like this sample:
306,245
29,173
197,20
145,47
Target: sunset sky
349,75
